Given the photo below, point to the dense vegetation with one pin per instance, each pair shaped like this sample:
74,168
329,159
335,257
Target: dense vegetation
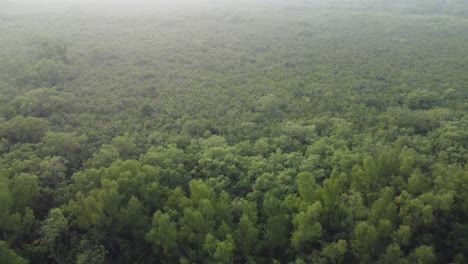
279,134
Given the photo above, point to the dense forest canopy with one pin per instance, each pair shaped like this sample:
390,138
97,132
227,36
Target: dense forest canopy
259,131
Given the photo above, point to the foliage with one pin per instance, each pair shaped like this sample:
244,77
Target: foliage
312,132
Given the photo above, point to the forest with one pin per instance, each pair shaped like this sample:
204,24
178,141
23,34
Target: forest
266,131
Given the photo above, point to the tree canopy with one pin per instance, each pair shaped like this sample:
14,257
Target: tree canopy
312,132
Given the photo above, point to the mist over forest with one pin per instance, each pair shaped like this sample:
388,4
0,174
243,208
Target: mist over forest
265,131
453,7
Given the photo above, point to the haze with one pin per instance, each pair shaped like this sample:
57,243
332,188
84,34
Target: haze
128,6
265,131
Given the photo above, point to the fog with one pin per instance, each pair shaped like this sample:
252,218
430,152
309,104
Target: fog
233,131
135,6
141,7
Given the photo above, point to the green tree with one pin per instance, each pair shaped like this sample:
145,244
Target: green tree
45,72
276,224
364,241
163,233
246,236
9,256
423,255
402,236
72,147
53,231
24,191
336,251
307,188
308,230
384,207
43,102
24,129
224,253
392,255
